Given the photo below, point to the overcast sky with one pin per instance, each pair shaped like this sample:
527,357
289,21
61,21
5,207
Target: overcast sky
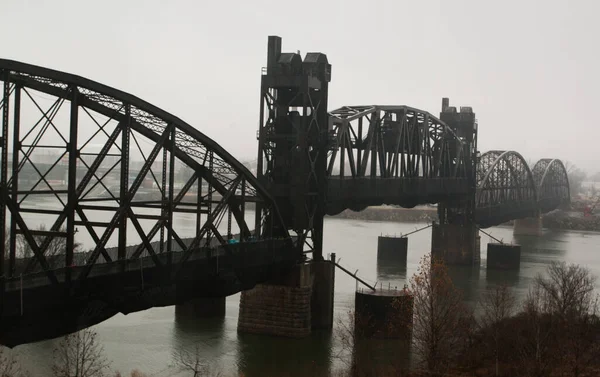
529,69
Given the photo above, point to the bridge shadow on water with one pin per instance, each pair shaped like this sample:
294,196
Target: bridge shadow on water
273,356
202,336
381,357
546,244
499,277
391,270
539,251
466,279
187,326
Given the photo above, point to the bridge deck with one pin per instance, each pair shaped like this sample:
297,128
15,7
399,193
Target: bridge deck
39,310
359,193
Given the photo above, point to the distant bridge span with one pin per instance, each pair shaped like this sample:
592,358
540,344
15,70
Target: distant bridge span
399,155
393,155
508,189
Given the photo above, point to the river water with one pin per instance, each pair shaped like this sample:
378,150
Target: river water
147,340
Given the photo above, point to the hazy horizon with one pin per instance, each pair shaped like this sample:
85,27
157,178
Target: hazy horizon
531,84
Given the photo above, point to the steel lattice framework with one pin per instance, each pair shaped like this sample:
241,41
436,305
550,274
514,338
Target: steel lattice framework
505,186
508,189
292,140
416,157
91,159
393,142
552,183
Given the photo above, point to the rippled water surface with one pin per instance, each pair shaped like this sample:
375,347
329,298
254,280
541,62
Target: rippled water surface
147,340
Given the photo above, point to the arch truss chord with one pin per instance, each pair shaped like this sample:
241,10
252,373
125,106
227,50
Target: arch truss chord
95,164
394,155
393,142
506,188
552,183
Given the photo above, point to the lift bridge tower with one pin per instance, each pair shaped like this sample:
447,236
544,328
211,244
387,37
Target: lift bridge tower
293,141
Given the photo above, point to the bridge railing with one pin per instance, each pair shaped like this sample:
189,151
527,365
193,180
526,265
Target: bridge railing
279,249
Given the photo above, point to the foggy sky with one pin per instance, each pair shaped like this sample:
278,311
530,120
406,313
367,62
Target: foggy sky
529,69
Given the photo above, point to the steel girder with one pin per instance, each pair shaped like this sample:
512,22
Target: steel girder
552,183
393,155
505,188
508,189
393,142
292,141
91,152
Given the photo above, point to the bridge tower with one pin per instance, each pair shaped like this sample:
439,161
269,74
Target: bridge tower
456,238
292,165
292,140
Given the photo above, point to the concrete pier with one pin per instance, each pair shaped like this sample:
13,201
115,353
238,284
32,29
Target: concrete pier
392,248
383,314
323,287
502,256
201,308
530,226
291,306
456,244
281,308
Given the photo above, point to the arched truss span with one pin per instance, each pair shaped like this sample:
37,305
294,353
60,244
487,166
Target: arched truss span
393,142
506,188
393,155
89,158
552,183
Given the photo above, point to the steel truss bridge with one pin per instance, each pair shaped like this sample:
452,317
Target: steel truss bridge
171,215
403,156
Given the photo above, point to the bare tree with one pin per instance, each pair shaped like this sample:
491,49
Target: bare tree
538,335
568,290
134,373
497,306
80,355
576,177
57,247
562,323
363,354
193,363
567,294
9,366
439,315
345,335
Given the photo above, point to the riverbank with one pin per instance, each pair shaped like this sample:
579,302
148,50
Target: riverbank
393,214
563,220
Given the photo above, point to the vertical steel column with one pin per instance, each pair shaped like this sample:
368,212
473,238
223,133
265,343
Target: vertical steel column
243,208
163,199
260,159
3,180
209,197
15,179
199,207
375,135
229,235
342,156
359,147
171,184
71,184
124,189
